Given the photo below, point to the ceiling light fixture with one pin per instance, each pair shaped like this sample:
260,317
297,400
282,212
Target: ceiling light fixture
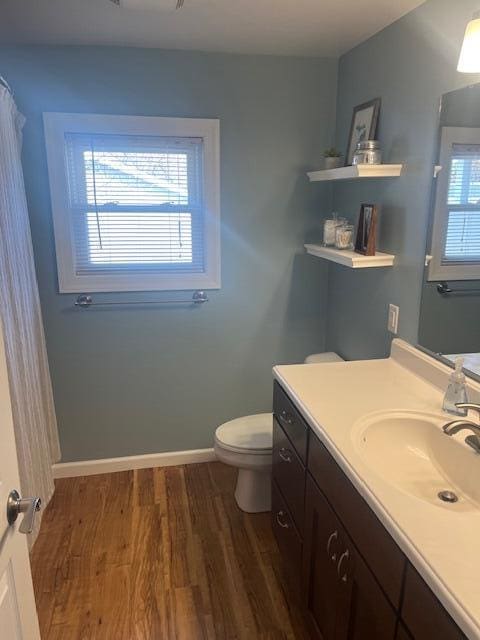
469,61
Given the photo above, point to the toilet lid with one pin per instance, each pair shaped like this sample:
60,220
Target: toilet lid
249,433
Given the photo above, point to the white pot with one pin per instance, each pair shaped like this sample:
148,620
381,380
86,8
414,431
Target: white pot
332,163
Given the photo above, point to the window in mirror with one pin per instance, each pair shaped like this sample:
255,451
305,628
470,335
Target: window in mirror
456,226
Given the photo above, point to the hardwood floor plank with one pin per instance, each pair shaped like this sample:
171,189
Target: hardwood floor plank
159,554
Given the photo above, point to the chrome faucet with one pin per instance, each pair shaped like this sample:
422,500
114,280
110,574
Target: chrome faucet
453,427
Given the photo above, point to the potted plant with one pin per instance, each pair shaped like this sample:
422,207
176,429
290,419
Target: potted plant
332,158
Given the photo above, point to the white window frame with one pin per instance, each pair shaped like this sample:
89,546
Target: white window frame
438,270
57,125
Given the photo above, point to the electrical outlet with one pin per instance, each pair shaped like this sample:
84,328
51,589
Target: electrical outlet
393,313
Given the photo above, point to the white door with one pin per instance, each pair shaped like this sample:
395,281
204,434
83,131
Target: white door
18,615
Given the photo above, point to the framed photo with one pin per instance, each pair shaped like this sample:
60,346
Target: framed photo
366,230
363,127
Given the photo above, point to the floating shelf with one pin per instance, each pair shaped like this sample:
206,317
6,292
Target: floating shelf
350,258
357,172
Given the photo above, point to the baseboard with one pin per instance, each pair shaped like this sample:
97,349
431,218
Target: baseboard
109,465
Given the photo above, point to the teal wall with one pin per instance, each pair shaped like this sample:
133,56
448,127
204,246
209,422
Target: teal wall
410,64
137,380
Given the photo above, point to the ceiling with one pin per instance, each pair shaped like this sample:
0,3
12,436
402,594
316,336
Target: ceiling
280,27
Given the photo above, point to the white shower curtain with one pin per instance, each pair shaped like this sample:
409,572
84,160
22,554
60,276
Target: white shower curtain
29,375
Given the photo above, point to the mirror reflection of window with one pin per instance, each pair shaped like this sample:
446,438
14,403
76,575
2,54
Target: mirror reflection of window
463,225
455,247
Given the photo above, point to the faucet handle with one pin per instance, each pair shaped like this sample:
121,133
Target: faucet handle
470,406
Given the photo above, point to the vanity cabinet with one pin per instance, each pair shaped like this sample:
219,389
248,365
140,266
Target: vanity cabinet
354,582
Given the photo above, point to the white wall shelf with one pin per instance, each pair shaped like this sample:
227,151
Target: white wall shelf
350,258
357,172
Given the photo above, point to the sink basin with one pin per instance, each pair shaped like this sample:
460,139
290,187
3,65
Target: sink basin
410,451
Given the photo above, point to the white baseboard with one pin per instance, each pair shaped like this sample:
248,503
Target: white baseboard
109,465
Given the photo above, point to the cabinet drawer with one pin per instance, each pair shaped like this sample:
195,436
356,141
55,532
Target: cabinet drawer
423,614
374,543
291,421
287,538
289,474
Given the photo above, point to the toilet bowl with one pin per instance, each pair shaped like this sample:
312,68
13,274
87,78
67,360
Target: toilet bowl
246,443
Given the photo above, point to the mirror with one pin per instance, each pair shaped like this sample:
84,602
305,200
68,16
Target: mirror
450,308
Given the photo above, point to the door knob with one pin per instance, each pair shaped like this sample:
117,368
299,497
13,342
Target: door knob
28,506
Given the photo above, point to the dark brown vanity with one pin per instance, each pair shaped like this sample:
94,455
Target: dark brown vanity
353,580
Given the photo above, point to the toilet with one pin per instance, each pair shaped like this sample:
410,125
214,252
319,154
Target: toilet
246,443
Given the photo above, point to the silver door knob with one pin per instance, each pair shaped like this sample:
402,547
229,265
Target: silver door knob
28,506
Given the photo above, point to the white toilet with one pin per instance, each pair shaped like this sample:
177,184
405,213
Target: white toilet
246,443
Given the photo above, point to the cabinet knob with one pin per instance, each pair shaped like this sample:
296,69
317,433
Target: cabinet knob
344,557
286,418
333,536
285,454
279,517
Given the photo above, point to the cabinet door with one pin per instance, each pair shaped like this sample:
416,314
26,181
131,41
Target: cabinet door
423,614
322,547
364,612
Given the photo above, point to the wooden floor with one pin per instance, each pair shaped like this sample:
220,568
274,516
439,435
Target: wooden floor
158,554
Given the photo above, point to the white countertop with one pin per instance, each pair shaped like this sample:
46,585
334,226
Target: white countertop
442,541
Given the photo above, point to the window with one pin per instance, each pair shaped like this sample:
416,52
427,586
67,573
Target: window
456,224
135,202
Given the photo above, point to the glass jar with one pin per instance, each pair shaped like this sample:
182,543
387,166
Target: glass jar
344,236
329,227
367,152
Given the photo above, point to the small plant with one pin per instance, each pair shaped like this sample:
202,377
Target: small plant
331,153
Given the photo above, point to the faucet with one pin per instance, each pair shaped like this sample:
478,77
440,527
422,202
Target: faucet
453,427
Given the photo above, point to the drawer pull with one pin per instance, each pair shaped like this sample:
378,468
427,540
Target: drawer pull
286,418
333,536
285,454
280,515
345,555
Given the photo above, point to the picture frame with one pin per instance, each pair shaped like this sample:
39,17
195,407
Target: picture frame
363,127
365,242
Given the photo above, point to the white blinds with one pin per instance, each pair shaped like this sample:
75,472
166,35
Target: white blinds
462,241
136,203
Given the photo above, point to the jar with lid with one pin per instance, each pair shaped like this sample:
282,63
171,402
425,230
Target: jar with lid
344,236
329,228
367,152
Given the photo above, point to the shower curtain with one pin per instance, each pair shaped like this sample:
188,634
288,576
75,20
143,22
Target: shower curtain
29,376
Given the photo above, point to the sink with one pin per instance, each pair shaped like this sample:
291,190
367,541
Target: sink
410,451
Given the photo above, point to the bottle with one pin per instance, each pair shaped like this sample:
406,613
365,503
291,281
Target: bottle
456,391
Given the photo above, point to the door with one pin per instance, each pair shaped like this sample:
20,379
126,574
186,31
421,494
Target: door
18,615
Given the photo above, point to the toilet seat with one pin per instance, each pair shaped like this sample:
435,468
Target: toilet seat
248,434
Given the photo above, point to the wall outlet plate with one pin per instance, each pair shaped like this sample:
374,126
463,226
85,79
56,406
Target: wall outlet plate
393,314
